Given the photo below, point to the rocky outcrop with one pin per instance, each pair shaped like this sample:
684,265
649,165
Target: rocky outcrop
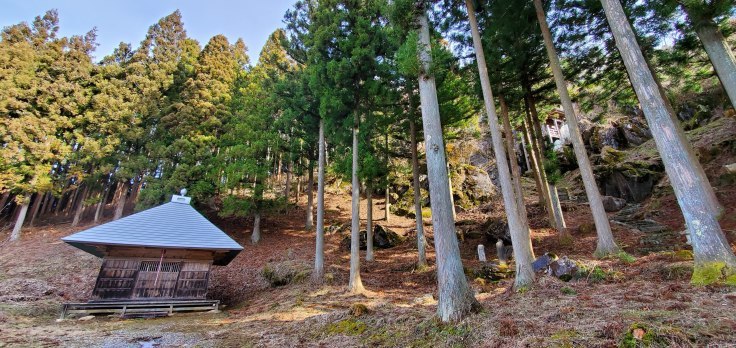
383,238
619,132
632,180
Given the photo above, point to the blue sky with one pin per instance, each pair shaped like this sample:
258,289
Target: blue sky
128,21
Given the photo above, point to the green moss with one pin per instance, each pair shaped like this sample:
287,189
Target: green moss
707,273
568,291
426,213
349,327
683,255
731,280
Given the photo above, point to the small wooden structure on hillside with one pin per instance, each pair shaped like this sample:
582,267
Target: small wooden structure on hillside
157,258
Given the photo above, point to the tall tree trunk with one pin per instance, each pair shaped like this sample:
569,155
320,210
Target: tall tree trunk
310,196
538,143
122,199
525,153
534,165
369,222
319,254
449,186
136,192
355,285
421,241
388,183
287,187
278,170
606,244
80,206
255,235
455,298
36,206
47,199
15,235
101,204
710,247
298,188
520,238
72,202
515,172
719,52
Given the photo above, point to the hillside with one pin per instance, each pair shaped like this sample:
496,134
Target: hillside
619,295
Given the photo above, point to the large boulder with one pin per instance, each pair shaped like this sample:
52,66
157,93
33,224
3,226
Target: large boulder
478,185
632,180
613,204
383,238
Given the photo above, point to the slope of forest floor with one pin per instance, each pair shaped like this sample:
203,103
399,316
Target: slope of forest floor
620,296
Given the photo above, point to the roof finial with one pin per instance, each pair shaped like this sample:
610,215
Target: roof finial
183,192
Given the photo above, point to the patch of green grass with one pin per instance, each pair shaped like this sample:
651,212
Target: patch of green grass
624,257
564,338
568,291
348,327
597,274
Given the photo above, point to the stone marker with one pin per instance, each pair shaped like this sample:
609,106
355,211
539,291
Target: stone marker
481,253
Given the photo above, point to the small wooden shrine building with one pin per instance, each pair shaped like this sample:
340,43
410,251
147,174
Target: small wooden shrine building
157,255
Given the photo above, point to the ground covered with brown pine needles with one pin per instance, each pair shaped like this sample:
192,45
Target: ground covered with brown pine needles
646,300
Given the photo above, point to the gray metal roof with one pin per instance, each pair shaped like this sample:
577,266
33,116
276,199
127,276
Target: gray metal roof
171,225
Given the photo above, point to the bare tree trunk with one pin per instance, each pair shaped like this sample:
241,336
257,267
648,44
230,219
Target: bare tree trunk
255,235
72,202
36,206
310,196
719,52
449,183
136,192
421,241
517,225
455,298
49,205
557,209
80,206
355,285
515,172
298,188
711,249
538,142
101,204
278,170
369,223
15,235
47,199
122,198
388,184
534,165
287,188
606,244
525,152
319,254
